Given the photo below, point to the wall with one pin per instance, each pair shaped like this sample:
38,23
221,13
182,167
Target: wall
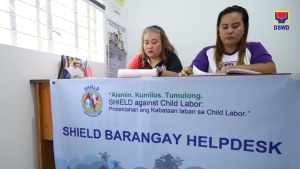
18,117
191,25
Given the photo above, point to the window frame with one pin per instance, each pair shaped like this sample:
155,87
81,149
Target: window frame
94,45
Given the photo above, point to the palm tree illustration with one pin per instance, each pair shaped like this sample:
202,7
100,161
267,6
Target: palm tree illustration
116,164
168,162
105,157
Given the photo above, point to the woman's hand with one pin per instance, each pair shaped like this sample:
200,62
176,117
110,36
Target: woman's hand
186,71
266,68
225,69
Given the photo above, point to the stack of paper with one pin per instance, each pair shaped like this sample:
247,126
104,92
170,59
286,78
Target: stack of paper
136,72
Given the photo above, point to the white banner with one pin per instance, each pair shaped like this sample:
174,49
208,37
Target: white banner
209,122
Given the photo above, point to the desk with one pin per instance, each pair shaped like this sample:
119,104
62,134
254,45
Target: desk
45,133
207,121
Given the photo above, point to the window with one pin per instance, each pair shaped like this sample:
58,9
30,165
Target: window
68,27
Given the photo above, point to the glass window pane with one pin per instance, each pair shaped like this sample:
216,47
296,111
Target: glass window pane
63,37
5,20
82,8
83,32
83,43
92,25
30,28
43,17
5,36
92,46
82,20
68,3
62,11
44,31
31,2
100,54
61,49
92,36
44,45
99,14
26,41
25,10
92,13
62,28
43,4
63,25
4,5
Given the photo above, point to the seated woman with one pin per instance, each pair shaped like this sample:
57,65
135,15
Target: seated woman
157,52
231,49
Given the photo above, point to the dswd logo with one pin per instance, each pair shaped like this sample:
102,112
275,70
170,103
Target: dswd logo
92,101
281,20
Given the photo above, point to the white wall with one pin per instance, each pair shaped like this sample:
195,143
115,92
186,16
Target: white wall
18,117
191,25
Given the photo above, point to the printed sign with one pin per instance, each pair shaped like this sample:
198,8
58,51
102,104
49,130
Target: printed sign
182,122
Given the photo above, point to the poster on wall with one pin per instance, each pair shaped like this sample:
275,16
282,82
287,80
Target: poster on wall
116,9
116,48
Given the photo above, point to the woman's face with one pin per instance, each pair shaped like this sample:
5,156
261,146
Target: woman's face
231,29
152,44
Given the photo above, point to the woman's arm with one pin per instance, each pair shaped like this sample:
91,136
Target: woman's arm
261,60
266,68
186,71
135,63
173,66
169,73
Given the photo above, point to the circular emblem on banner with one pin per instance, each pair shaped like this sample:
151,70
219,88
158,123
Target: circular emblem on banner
92,103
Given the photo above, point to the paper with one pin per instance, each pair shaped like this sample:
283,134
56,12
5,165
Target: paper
242,71
196,71
136,72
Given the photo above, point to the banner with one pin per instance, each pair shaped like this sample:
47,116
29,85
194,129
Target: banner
207,122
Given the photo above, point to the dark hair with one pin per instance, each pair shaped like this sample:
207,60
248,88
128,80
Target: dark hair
243,42
167,47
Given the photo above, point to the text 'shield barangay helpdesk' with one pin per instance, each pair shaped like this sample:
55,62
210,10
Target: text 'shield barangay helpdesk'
182,122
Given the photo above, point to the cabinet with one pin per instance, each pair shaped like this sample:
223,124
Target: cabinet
44,124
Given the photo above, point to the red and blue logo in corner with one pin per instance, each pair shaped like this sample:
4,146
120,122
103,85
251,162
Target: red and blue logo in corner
282,20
